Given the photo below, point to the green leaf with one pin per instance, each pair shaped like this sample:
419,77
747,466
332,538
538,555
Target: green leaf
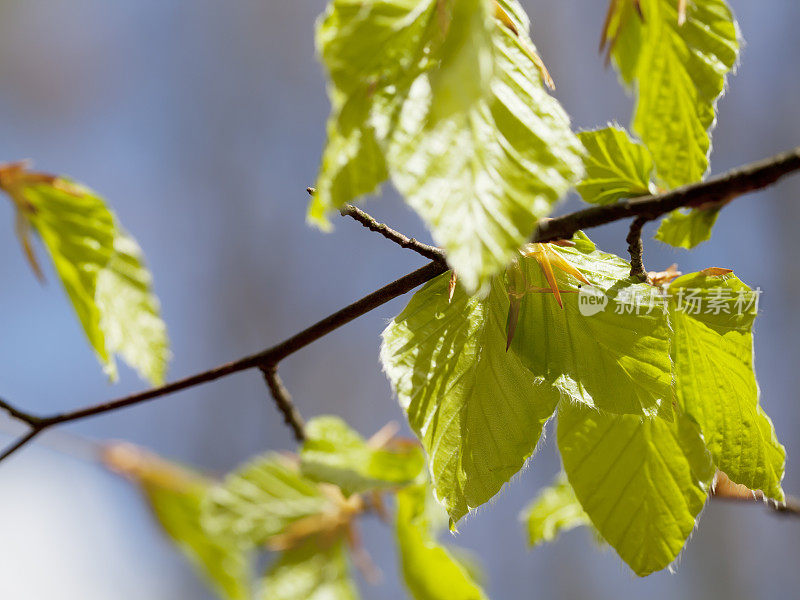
431,572
679,73
310,572
643,482
554,512
616,166
466,62
130,312
100,266
175,495
614,359
262,499
336,454
687,228
715,380
477,410
397,70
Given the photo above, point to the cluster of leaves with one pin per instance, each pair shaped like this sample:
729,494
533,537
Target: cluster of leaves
446,99
303,509
100,266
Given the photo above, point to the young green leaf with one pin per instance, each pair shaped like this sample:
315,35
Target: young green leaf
715,382
555,511
642,482
175,495
431,571
402,106
679,72
100,266
334,453
130,312
476,409
616,166
608,347
310,572
687,228
262,500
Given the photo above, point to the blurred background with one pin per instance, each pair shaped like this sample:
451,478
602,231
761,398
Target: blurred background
202,123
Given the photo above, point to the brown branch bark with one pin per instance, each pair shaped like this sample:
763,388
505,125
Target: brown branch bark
717,190
283,399
636,249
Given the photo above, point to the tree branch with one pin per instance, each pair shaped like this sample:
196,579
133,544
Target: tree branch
717,190
636,249
720,189
284,401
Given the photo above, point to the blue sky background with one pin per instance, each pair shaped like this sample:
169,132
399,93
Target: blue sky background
202,123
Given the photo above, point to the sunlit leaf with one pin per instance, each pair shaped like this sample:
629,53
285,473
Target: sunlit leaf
616,166
642,482
686,228
402,107
430,571
608,347
715,381
334,453
555,511
679,74
476,409
100,266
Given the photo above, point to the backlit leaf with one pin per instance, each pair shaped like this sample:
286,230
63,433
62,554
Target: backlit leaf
616,167
686,228
715,381
100,266
642,482
476,409
608,347
555,511
481,158
679,73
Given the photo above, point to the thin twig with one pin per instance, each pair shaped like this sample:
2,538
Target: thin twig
368,221
283,399
22,441
720,189
430,252
636,249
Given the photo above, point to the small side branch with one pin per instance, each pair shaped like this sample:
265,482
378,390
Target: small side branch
636,249
431,252
283,400
368,221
